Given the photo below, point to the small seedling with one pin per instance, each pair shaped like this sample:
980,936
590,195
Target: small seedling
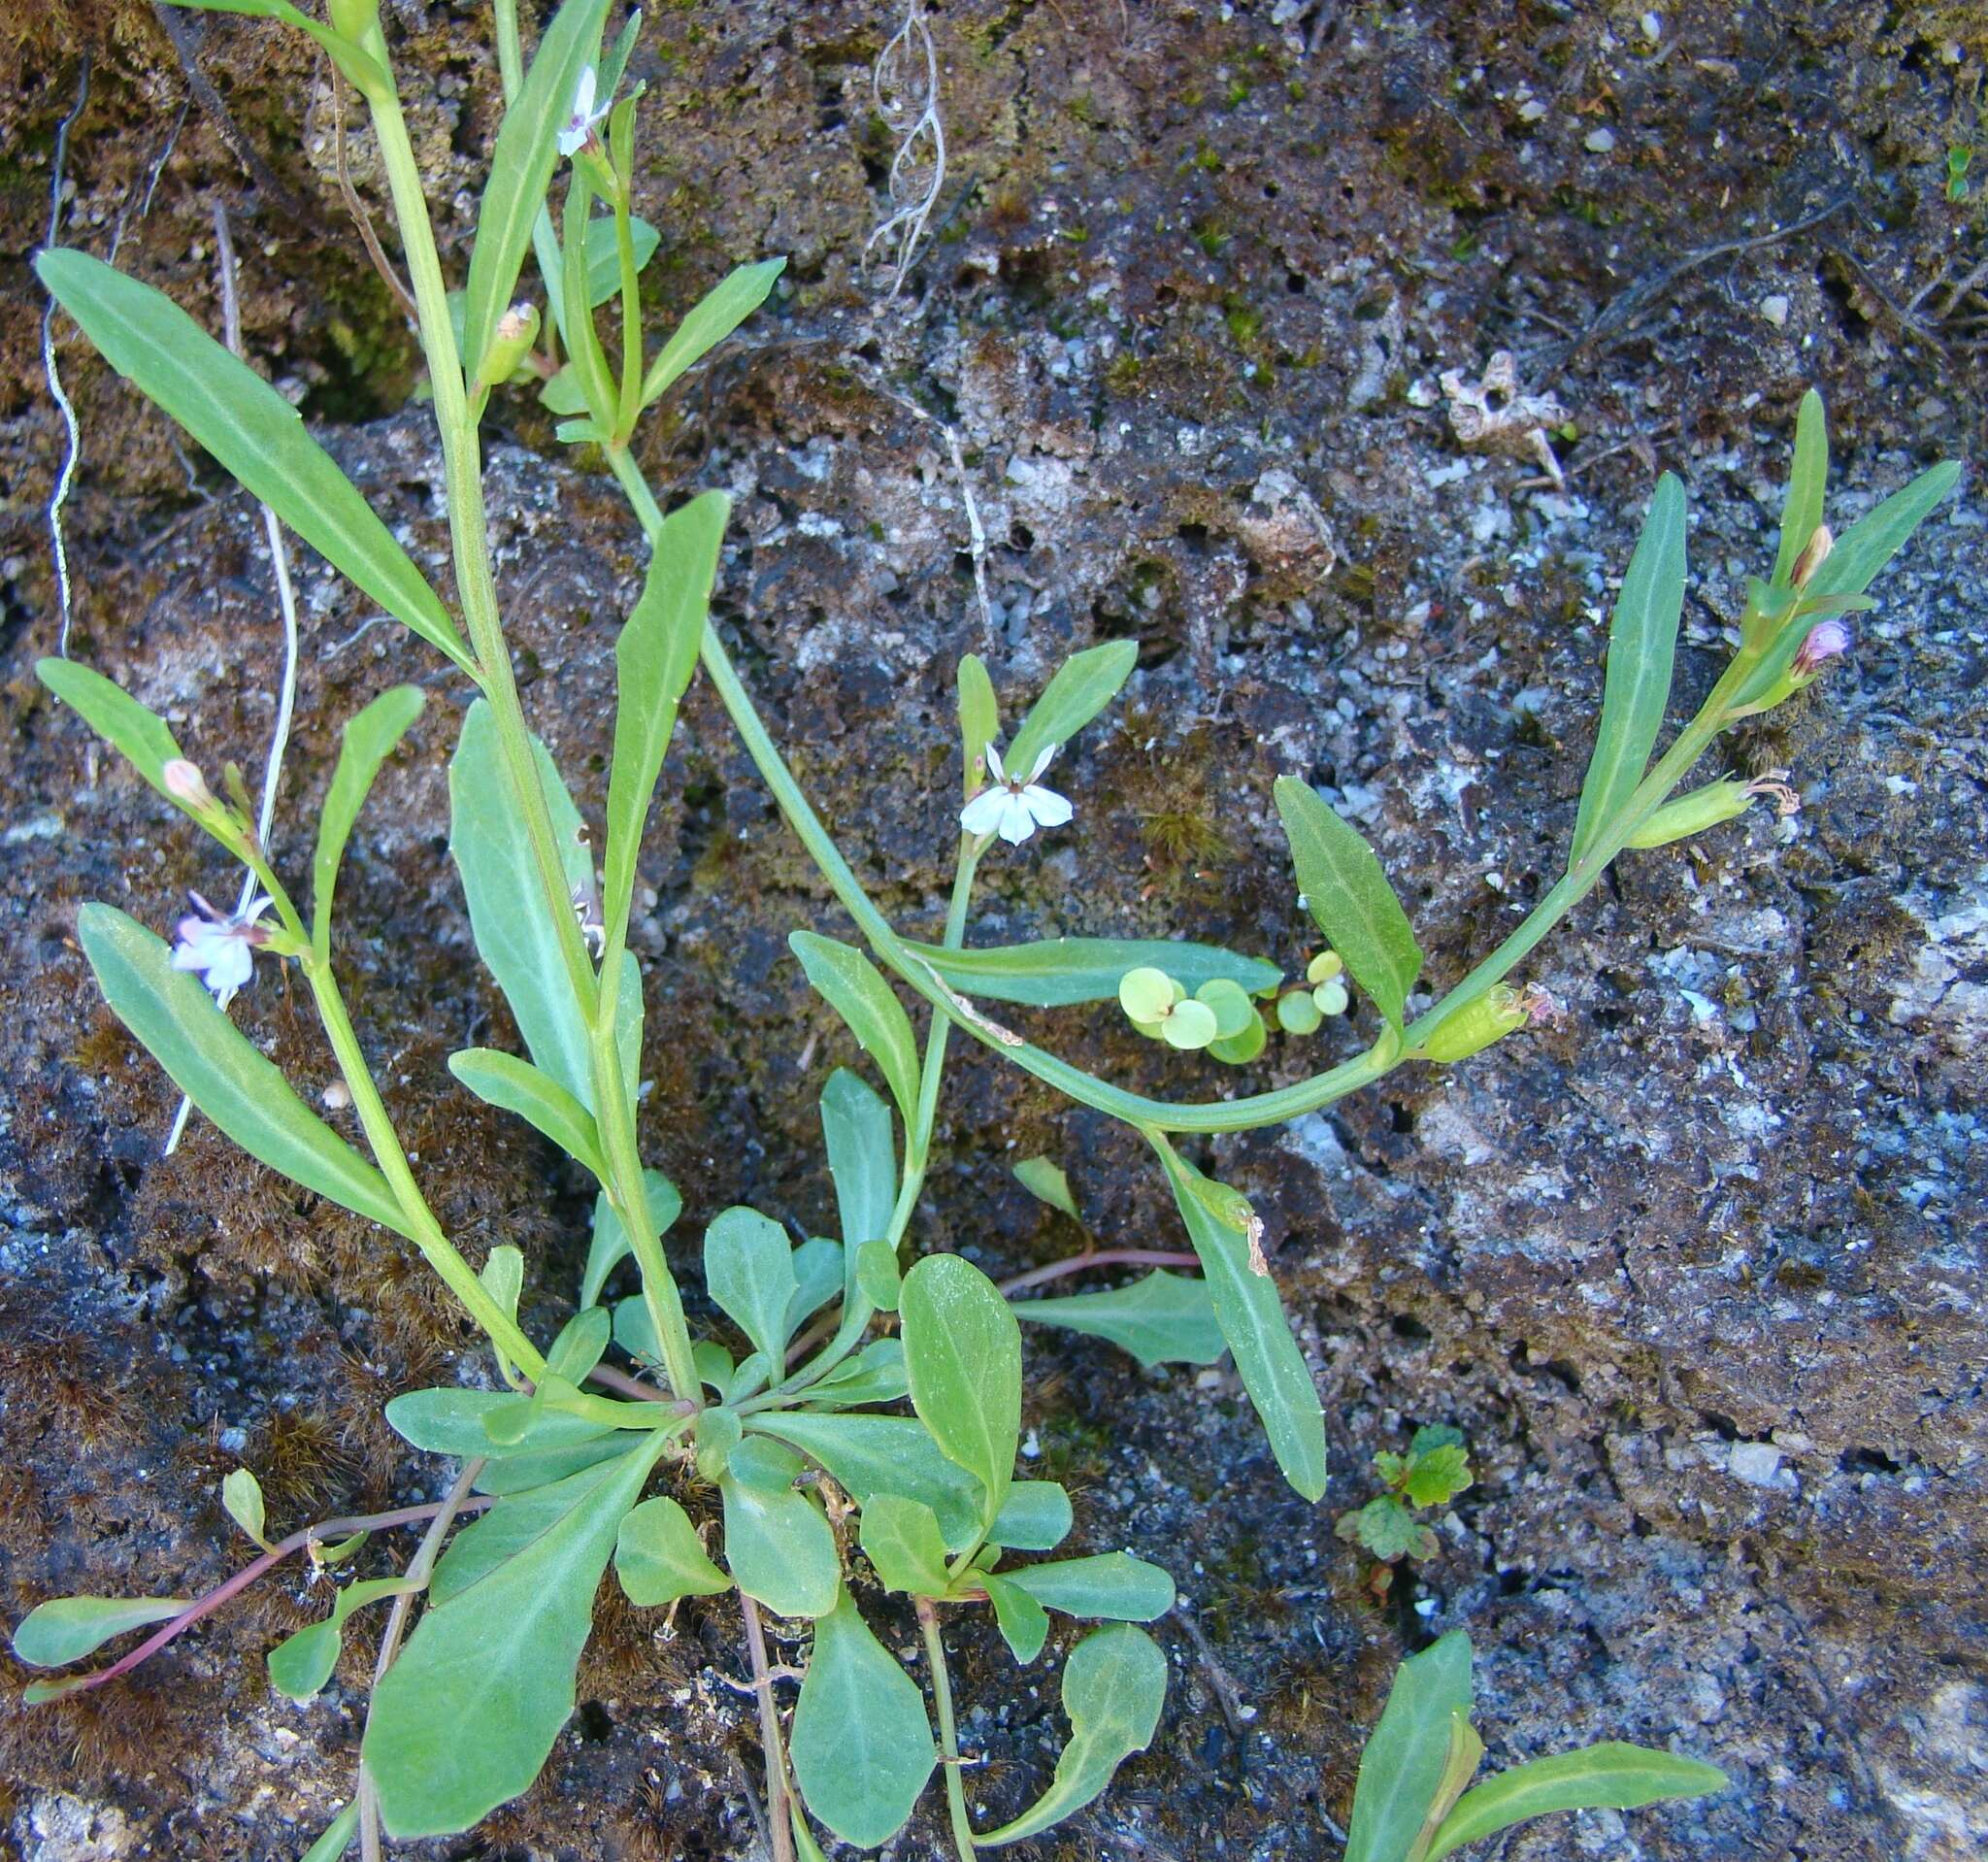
1435,1470
1414,1800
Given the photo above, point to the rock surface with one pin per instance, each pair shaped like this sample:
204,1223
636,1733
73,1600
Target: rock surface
1699,1274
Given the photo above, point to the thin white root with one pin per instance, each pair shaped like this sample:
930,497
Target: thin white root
286,601
73,446
912,114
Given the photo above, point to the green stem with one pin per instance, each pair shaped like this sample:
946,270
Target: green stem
631,317
477,591
437,1249
948,1732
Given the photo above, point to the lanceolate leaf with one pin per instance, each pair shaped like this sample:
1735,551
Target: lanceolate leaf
862,1746
338,1836
862,1159
1034,1516
516,1085
1023,1623
1252,1320
464,1719
1807,480
66,1629
369,740
1084,685
979,720
1059,972
521,168
1408,1752
855,989
1642,642
220,1069
1876,537
516,933
139,733
611,1244
249,429
1609,1776
709,322
963,1354
1164,1318
604,256
654,662
1114,1687
1046,1180
1350,898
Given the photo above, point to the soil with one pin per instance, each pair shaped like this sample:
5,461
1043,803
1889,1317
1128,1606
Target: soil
1698,1273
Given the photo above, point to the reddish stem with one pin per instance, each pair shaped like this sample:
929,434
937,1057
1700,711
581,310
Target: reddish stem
1099,1257
206,1606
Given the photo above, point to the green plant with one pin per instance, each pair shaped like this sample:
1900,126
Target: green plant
790,1420
1436,1468
1414,1800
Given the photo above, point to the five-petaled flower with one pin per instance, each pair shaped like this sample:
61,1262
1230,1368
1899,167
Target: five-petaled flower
1014,807
1827,640
579,126
220,949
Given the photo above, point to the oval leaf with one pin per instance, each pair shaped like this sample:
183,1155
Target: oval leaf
1114,1687
749,1270
709,322
1114,1583
220,1069
464,1719
1165,1318
659,1557
963,1355
861,1744
1084,685
1057,972
1407,1753
516,1085
65,1629
521,168
870,1455
654,658
781,1548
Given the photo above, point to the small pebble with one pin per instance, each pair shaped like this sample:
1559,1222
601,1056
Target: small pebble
1776,309
1600,141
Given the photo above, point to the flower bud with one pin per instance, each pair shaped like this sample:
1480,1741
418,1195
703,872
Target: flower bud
1814,553
1827,640
510,341
185,784
1483,1019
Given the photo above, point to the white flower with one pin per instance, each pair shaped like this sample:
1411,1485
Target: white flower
579,126
1014,806
222,949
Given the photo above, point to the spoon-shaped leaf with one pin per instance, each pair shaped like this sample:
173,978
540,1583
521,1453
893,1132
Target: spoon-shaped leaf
963,1354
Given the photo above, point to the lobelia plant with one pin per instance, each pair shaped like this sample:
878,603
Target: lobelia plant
791,1426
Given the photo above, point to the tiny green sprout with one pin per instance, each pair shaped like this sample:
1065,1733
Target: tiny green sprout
1436,1468
1161,1010
1298,1011
1959,160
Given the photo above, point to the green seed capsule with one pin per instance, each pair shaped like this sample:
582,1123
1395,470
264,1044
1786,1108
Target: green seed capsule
1486,1018
1231,1004
1238,1051
1325,966
1712,805
1331,996
1147,994
510,341
1189,1024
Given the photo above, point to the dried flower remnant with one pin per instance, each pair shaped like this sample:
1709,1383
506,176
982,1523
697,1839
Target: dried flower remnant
1827,640
1493,414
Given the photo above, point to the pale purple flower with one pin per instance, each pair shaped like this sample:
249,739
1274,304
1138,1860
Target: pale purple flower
220,950
1014,807
579,126
1827,640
